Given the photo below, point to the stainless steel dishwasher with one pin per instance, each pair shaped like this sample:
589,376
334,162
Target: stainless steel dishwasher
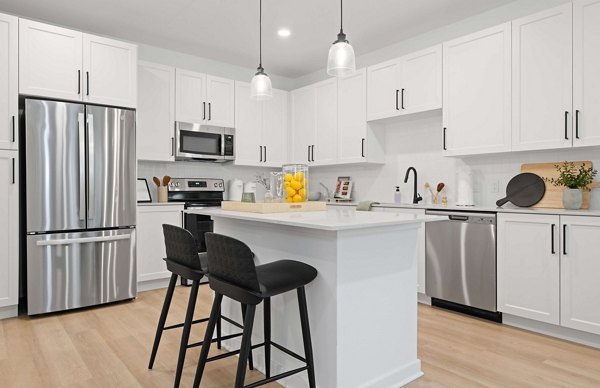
460,262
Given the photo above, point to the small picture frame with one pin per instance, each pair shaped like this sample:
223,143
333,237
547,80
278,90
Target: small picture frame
143,191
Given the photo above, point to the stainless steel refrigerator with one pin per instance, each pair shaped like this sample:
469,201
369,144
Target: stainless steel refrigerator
79,205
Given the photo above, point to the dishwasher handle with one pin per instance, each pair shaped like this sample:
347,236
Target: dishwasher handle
458,218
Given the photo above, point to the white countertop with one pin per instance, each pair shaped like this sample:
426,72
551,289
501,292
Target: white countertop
331,220
160,204
508,208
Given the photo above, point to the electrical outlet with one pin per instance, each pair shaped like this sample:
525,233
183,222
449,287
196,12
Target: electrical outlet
495,187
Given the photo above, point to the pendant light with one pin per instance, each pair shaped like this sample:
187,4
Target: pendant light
260,87
341,59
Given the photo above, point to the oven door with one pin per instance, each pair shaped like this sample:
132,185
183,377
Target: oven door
195,142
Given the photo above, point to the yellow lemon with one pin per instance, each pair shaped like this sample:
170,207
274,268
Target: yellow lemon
286,184
297,198
296,185
288,177
299,176
289,199
290,191
302,193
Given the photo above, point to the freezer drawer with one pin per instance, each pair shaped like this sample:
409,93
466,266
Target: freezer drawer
71,270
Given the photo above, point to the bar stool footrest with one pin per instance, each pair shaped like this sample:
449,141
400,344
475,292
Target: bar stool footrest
223,338
277,377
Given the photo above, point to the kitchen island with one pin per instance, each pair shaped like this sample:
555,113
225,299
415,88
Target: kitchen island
362,305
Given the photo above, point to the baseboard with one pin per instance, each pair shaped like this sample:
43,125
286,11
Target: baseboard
563,333
9,312
153,284
397,378
423,299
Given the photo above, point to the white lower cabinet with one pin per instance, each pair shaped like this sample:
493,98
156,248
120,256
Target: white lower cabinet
9,229
548,269
151,243
420,243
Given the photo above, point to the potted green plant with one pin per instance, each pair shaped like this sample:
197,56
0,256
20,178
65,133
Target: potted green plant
574,180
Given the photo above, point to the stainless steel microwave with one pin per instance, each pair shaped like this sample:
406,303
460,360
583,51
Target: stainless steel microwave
195,142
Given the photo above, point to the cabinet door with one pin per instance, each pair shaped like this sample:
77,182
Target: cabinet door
9,229
543,80
352,120
528,266
190,94
421,81
477,98
274,129
303,123
110,71
325,144
220,100
151,243
248,116
383,90
155,112
9,93
50,61
580,267
586,77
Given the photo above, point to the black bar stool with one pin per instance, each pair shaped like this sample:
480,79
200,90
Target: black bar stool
233,274
183,260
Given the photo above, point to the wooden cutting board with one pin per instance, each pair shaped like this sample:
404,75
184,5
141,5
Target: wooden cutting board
553,197
273,207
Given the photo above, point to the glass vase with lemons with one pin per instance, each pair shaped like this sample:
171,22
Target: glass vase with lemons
295,182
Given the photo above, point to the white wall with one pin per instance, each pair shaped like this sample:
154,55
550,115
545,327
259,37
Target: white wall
417,142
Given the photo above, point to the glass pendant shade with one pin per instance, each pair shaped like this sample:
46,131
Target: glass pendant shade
260,87
341,60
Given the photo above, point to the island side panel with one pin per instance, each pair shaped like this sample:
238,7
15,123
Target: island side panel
271,242
377,307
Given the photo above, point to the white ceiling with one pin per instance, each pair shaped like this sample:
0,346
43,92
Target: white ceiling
227,30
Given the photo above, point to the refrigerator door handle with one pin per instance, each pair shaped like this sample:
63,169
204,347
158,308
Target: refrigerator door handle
81,123
91,167
83,240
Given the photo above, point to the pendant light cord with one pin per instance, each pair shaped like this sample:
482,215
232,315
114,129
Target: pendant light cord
260,34
341,15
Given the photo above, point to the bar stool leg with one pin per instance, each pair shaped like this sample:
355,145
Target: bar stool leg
267,335
250,361
163,319
245,348
306,337
210,329
219,321
187,327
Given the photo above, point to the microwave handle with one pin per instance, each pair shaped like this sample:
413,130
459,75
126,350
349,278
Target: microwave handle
223,144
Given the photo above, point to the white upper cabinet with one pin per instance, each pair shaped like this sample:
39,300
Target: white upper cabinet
204,99
260,133
9,93
586,77
220,101
156,112
65,64
477,92
542,80
529,266
9,229
383,95
110,71
303,115
50,61
421,81
352,120
323,150
406,85
580,266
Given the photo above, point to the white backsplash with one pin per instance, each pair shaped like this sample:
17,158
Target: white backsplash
417,142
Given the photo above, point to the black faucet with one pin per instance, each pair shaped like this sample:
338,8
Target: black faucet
416,196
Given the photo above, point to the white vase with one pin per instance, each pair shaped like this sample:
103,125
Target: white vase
572,199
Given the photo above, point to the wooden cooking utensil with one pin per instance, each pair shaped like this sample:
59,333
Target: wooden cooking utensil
166,180
156,181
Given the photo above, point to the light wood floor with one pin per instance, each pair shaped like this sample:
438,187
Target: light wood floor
109,346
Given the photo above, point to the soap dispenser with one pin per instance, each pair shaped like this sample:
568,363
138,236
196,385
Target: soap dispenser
397,195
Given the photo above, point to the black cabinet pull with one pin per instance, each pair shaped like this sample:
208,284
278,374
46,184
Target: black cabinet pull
261,158
312,153
564,239
552,238
13,128
78,81
397,91
204,111
402,99
566,125
209,112
87,80
577,124
265,154
444,139
13,171
362,147
172,146
308,157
